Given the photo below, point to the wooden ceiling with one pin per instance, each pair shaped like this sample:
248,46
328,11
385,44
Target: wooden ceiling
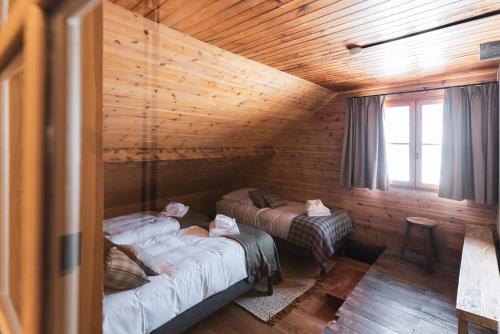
308,38
163,89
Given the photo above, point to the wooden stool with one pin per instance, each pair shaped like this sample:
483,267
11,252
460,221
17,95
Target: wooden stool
429,244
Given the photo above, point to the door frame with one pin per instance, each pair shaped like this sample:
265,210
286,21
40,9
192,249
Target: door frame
25,31
55,231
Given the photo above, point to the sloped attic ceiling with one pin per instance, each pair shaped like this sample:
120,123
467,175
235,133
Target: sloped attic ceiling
181,115
308,38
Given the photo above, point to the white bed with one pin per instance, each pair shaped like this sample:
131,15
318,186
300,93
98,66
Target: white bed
193,267
276,221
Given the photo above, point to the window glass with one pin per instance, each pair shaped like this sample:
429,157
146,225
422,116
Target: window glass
397,135
431,164
432,131
432,123
397,124
398,160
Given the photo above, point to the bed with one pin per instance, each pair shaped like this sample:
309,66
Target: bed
198,275
322,236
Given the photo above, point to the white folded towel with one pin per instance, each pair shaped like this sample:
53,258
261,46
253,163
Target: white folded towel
174,209
316,208
223,225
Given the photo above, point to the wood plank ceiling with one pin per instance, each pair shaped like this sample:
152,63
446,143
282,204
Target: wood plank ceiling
308,38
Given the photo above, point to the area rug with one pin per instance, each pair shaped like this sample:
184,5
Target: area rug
299,277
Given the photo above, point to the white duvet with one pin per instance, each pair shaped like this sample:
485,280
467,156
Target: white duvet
193,267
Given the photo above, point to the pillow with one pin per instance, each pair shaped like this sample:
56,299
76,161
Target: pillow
258,198
174,209
194,218
121,273
162,225
240,195
107,245
131,252
135,254
121,224
274,201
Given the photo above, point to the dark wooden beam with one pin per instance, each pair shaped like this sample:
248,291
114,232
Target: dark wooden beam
163,154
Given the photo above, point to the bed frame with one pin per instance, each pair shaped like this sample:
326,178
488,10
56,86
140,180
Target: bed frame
287,246
209,306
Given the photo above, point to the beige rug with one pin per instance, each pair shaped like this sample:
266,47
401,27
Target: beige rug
299,276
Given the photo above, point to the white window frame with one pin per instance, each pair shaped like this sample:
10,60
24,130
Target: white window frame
418,144
415,151
411,104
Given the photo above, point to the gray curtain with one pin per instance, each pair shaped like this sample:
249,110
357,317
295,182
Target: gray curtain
364,162
469,168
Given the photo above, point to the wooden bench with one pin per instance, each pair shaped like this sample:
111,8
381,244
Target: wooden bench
478,297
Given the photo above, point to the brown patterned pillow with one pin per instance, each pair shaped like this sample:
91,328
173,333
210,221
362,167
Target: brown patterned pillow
121,273
258,198
274,201
130,252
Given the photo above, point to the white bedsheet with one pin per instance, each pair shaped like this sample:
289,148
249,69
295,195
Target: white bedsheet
276,222
193,268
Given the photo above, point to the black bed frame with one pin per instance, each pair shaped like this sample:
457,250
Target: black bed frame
209,306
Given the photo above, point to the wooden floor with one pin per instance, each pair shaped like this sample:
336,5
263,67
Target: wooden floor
310,317
394,296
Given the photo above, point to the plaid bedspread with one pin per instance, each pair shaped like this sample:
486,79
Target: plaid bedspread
319,234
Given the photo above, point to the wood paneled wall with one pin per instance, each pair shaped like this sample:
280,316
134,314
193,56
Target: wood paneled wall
307,166
181,115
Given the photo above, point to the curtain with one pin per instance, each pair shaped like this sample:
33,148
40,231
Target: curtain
364,162
469,168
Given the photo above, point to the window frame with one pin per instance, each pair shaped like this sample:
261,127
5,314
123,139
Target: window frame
411,105
418,143
415,148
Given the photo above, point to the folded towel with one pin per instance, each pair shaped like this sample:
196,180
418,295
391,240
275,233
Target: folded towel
174,209
223,225
316,208
319,213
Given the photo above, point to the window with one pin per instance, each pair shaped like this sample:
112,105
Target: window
413,131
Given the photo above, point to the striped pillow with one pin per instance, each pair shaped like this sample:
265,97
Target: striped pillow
121,273
274,201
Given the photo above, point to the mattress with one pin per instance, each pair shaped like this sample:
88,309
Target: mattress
193,267
276,221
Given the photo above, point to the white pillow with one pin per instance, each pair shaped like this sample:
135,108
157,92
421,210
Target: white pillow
161,226
240,195
121,224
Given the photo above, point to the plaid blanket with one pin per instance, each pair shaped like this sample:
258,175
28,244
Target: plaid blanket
319,234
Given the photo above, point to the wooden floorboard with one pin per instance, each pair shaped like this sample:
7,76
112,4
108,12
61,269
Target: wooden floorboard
397,296
311,317
393,296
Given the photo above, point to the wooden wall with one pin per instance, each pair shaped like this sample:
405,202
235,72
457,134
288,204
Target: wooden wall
307,166
180,115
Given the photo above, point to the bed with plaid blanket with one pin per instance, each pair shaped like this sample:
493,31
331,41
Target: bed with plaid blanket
320,234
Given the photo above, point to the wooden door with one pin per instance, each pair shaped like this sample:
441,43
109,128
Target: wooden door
22,74
50,210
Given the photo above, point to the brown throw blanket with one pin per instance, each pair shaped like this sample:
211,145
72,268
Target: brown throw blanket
261,254
319,234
